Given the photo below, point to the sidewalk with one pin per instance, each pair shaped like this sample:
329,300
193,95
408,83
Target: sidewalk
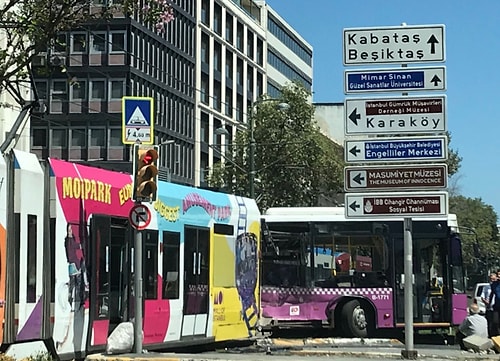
322,349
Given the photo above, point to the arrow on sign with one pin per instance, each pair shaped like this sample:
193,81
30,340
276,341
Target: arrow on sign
433,41
354,116
435,80
358,178
354,206
354,151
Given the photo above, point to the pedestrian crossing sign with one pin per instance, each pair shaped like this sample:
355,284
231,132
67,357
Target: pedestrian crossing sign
137,120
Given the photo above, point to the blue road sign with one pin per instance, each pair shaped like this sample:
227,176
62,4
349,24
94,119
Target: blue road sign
387,80
414,149
137,120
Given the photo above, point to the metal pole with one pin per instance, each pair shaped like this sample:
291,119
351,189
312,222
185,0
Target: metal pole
251,155
408,352
138,291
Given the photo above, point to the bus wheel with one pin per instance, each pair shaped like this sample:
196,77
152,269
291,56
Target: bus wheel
354,320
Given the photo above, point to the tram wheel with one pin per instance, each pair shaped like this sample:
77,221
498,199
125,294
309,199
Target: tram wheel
354,320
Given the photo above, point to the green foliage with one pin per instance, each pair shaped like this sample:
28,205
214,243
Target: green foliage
295,164
41,356
454,159
478,223
4,357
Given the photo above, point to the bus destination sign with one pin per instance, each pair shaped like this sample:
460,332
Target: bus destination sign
396,177
412,204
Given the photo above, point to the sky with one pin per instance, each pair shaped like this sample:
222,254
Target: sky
472,46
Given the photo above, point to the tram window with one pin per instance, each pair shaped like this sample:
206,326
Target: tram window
171,245
17,247
151,264
224,229
31,269
52,258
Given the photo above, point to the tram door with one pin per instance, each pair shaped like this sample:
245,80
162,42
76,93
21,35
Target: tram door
109,265
196,276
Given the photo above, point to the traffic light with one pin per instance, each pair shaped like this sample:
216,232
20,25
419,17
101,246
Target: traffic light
145,172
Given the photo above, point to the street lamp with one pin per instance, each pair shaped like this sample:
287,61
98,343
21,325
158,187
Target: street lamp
251,145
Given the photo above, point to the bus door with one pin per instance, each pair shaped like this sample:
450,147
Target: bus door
109,265
429,277
196,276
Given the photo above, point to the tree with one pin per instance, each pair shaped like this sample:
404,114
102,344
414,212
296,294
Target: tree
454,159
294,163
30,26
478,226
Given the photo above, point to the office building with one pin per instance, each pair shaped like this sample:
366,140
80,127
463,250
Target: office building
214,60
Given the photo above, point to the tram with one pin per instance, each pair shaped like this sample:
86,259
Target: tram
67,270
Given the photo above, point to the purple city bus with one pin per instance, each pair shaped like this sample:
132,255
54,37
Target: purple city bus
321,269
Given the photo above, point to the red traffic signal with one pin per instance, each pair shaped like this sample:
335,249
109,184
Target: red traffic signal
145,173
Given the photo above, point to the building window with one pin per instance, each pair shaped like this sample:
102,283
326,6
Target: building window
229,28
239,72
249,79
250,44
217,57
239,37
229,65
117,40
117,89
217,19
78,43
59,89
205,48
97,137
60,43
205,12
229,102
78,90
204,128
39,137
78,137
59,138
98,43
98,89
115,138
204,89
217,95
41,89
260,52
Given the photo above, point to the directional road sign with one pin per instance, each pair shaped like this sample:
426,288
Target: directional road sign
386,45
396,149
139,216
412,204
396,177
137,120
395,115
388,80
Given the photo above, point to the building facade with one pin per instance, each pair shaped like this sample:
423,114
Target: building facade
203,73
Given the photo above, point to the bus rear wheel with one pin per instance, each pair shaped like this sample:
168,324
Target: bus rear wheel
354,321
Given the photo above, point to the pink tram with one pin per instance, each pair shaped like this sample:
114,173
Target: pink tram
67,270
323,269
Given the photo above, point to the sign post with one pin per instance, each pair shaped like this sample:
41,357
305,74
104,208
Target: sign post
407,115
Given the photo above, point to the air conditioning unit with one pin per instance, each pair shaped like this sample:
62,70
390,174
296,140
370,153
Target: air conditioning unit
57,60
40,59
